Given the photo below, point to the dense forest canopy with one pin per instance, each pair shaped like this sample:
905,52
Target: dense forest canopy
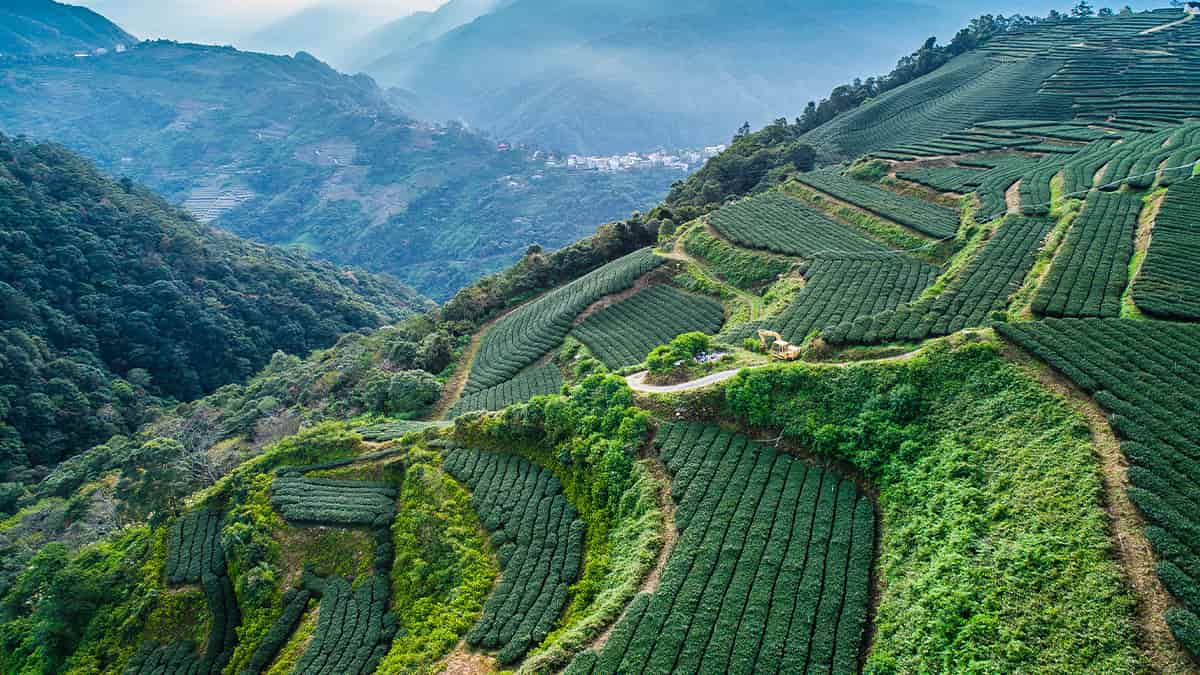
113,300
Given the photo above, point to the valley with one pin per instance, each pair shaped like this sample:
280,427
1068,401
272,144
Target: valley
907,384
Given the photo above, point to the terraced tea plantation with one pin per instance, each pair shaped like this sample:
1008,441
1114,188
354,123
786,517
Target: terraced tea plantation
354,631
1090,273
1169,283
623,334
984,287
539,539
843,289
536,381
195,556
336,502
771,572
523,336
924,217
1145,376
780,224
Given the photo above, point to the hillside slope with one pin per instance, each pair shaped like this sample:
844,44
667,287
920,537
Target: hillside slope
288,151
30,28
977,451
1049,72
113,301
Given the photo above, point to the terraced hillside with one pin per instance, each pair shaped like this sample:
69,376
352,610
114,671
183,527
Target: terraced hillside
1092,70
975,452
793,599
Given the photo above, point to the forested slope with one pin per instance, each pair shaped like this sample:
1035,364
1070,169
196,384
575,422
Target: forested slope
113,300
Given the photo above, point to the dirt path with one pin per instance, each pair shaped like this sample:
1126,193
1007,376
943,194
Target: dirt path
465,662
1012,199
670,535
458,381
637,381
1168,26
1126,526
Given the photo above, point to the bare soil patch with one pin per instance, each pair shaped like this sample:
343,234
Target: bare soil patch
1012,198
465,662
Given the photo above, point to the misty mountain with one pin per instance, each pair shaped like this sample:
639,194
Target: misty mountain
288,151
590,76
41,27
327,31
414,30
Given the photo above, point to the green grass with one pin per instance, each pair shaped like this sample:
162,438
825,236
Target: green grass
1129,309
1064,212
742,268
444,566
995,555
887,233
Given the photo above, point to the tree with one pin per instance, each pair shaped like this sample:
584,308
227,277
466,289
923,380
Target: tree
435,352
1082,10
1105,12
153,481
412,391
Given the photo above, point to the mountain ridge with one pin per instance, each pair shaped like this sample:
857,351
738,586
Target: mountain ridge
30,28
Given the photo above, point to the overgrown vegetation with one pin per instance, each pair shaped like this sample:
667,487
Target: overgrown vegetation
995,554
112,302
590,440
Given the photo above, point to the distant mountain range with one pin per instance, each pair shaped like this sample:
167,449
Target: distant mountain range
289,151
41,27
610,76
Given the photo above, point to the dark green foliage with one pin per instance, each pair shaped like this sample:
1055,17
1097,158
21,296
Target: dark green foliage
1091,270
944,178
763,578
194,555
1168,285
534,381
844,289
334,502
1145,375
678,355
983,287
354,630
194,547
922,216
623,334
295,602
539,538
522,337
110,299
1186,627
781,224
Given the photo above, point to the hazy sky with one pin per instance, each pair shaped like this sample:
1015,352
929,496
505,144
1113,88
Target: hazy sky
222,21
